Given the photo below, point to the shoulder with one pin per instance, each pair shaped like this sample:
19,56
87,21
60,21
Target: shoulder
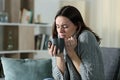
86,36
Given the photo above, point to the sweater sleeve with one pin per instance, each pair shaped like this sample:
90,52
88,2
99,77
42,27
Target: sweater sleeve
55,71
91,67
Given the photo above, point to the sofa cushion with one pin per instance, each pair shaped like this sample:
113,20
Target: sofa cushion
110,60
26,69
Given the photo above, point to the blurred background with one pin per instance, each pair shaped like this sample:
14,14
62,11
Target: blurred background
103,16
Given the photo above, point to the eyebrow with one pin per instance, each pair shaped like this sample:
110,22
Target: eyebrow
62,24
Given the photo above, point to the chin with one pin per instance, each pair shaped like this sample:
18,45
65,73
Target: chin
62,36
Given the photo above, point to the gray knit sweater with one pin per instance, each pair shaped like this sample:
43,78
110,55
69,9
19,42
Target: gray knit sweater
89,52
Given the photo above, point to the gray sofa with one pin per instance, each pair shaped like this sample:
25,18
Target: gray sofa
111,60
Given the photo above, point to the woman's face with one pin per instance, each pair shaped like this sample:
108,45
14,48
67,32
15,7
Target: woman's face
65,27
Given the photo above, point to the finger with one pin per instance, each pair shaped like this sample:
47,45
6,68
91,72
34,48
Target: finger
66,42
54,50
49,44
51,49
73,40
58,51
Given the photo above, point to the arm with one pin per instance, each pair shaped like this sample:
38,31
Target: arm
75,60
61,63
58,64
70,45
56,72
91,67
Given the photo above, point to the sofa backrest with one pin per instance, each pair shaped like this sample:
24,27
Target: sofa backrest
110,60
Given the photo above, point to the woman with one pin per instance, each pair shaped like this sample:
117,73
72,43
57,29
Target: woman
81,59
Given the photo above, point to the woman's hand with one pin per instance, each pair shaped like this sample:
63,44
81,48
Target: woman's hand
53,51
70,44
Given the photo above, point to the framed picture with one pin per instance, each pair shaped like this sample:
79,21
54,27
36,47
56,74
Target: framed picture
26,16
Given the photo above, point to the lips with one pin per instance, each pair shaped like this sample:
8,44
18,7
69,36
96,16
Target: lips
62,36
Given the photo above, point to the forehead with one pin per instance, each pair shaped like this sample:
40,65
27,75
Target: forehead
62,20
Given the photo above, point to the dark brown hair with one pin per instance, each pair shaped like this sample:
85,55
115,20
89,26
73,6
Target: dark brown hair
75,17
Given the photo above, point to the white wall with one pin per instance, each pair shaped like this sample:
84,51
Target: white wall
46,9
105,20
79,4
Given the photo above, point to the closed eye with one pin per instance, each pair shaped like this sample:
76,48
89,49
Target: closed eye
64,26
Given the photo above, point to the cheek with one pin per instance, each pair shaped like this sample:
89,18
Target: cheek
69,33
57,30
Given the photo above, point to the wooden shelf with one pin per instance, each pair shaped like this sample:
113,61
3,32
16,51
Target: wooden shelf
23,33
24,36
29,25
23,51
37,54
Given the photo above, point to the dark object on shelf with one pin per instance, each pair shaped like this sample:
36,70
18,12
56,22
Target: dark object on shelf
10,41
3,17
41,23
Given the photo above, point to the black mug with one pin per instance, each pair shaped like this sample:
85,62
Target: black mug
59,43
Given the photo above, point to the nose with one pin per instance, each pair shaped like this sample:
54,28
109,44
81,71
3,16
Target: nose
61,29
